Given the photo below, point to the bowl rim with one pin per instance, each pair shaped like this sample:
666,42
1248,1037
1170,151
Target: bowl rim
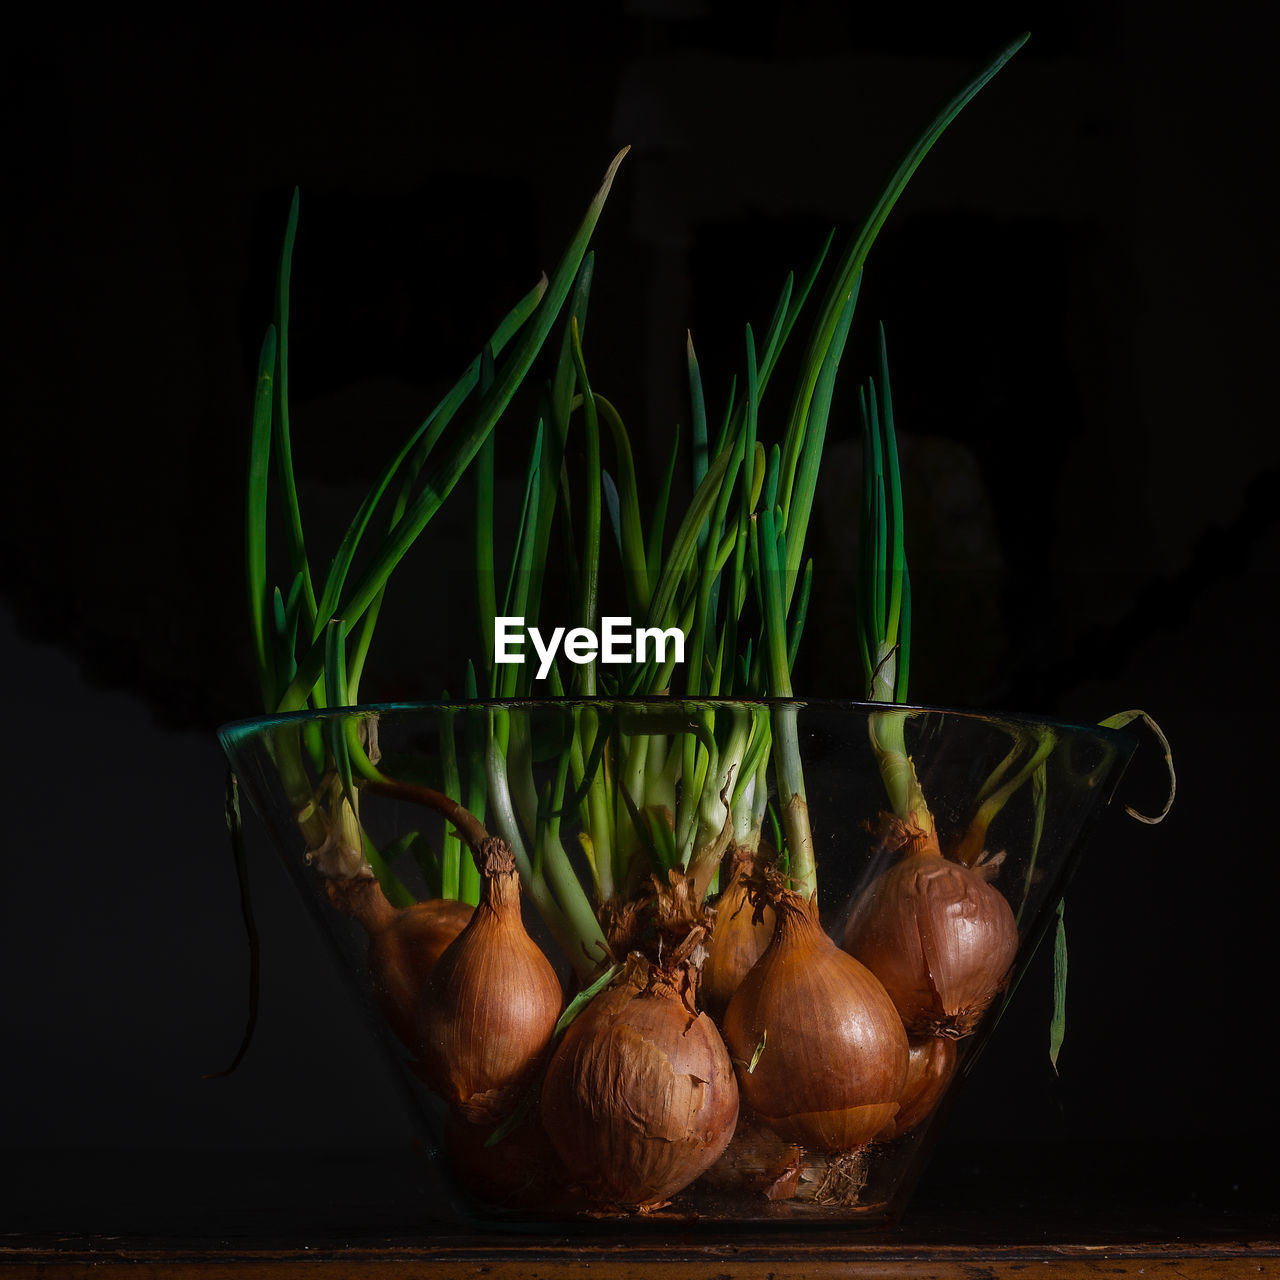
237,730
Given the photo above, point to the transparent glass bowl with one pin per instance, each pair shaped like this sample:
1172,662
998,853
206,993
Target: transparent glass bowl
291,768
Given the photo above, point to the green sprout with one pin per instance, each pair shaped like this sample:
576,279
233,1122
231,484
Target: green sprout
660,774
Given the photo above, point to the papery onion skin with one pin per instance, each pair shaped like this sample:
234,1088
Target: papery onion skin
640,1097
402,956
819,1048
404,945
738,941
941,939
490,1006
931,1064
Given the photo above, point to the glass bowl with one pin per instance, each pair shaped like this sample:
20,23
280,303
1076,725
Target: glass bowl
602,802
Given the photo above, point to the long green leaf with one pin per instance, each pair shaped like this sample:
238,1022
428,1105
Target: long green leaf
475,721
283,440
774,611
517,594
879,547
283,637
853,260
451,855
785,315
556,416
1058,1026
800,504
800,612
893,478
630,530
447,472
773,335
484,559
613,509
419,446
530,342
904,640
752,471
717,549
658,523
564,384
588,604
256,517
335,688
698,421
360,648
776,341
685,543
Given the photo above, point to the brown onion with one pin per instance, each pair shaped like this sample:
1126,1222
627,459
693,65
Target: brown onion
402,956
940,938
820,1050
639,1098
737,942
929,1070
491,1003
404,945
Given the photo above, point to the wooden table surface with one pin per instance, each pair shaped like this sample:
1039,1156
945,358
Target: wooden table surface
1186,1211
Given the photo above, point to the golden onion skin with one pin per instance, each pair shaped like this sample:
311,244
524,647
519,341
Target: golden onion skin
491,1003
402,955
404,944
639,1098
931,1064
737,942
819,1048
939,937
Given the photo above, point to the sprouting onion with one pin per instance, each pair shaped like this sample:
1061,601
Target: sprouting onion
936,933
668,785
311,648
933,927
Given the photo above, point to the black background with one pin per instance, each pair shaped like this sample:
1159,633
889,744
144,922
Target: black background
1079,294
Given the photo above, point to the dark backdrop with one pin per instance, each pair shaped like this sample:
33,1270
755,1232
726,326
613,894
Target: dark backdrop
1078,291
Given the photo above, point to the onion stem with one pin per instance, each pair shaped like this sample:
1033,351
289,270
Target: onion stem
570,919
973,842
898,771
